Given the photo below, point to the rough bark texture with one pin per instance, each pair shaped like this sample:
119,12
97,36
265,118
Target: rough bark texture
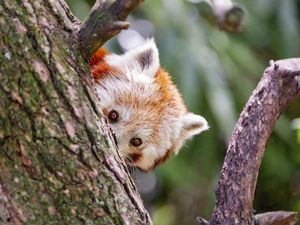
276,218
57,165
279,85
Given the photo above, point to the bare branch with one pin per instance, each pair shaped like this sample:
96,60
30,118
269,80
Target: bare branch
236,187
202,221
276,218
229,16
107,19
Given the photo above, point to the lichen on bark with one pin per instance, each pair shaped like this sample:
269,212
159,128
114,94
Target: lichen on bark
57,162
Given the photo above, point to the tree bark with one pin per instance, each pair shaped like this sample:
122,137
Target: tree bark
235,191
57,162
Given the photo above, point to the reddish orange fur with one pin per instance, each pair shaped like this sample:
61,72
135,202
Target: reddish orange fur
150,106
161,160
170,95
164,81
135,156
98,66
168,89
98,56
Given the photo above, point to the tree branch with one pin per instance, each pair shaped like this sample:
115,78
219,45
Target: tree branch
228,15
279,85
276,218
107,19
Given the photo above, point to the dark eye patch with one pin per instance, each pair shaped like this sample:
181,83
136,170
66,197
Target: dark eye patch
113,116
134,157
136,142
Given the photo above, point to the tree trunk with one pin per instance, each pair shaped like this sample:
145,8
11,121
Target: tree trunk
57,164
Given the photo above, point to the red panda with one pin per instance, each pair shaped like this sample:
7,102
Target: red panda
144,108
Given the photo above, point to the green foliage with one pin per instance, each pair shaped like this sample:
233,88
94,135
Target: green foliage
216,73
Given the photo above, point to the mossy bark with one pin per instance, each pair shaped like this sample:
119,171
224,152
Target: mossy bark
57,162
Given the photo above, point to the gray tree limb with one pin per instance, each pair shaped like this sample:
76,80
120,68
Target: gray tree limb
279,86
276,218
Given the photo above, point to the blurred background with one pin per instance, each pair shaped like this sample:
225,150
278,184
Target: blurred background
216,73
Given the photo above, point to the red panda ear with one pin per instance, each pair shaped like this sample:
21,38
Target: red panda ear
143,59
193,124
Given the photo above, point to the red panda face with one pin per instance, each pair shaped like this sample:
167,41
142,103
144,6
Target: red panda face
143,106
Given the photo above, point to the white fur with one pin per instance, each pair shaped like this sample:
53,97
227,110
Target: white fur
128,62
193,124
150,154
137,82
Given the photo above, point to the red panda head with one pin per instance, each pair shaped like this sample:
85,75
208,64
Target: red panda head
145,109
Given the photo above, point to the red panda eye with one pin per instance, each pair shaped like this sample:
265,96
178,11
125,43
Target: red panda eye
113,115
136,142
